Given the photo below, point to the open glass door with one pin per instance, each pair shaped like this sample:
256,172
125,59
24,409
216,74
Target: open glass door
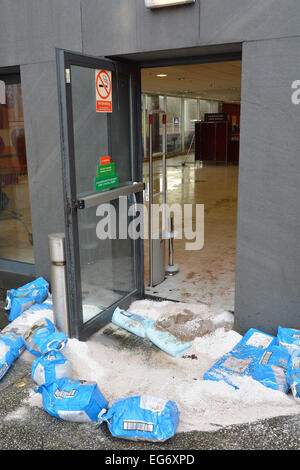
102,170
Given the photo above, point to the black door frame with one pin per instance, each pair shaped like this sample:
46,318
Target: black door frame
64,60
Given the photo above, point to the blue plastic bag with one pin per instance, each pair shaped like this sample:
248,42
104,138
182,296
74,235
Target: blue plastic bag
42,337
257,339
45,305
131,322
166,341
143,418
74,400
50,367
270,368
236,363
11,347
293,374
257,355
27,319
19,300
289,338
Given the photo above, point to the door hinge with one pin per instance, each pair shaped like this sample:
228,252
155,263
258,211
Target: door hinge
78,204
68,75
74,205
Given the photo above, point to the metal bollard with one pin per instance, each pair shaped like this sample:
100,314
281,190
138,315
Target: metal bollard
58,281
171,268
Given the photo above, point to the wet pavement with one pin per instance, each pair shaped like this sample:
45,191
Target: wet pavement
24,427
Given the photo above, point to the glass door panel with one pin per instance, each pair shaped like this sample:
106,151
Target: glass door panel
107,262
105,267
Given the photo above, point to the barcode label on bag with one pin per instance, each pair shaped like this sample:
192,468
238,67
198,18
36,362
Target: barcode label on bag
266,358
143,426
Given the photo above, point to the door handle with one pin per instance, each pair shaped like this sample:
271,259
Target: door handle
106,196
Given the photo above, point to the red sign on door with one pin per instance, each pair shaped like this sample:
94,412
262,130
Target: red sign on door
103,91
104,160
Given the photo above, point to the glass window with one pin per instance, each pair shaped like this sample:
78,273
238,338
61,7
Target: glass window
190,116
174,123
204,108
214,107
15,218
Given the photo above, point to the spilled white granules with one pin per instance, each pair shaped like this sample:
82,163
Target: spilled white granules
203,405
20,414
185,321
86,365
215,344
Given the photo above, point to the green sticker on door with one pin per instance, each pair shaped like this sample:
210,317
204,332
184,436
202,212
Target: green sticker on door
107,177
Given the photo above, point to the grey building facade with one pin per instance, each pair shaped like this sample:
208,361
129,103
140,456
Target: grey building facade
265,33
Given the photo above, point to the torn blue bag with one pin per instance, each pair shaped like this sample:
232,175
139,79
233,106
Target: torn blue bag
166,341
19,300
293,374
257,355
131,322
73,400
270,368
50,367
143,418
43,337
11,347
236,363
289,338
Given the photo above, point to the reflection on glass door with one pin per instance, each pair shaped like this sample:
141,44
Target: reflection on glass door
107,265
16,243
174,123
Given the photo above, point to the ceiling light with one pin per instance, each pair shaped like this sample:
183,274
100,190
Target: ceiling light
161,75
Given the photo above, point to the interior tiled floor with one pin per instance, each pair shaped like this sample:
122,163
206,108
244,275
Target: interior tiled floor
206,275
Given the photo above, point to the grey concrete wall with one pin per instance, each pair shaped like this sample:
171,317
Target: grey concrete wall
268,241
128,27
43,157
245,20
30,30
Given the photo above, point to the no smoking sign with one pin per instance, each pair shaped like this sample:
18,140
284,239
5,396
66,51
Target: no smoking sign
103,91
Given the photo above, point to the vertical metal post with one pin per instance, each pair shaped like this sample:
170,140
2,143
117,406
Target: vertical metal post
164,172
171,242
58,281
162,154
150,197
171,268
